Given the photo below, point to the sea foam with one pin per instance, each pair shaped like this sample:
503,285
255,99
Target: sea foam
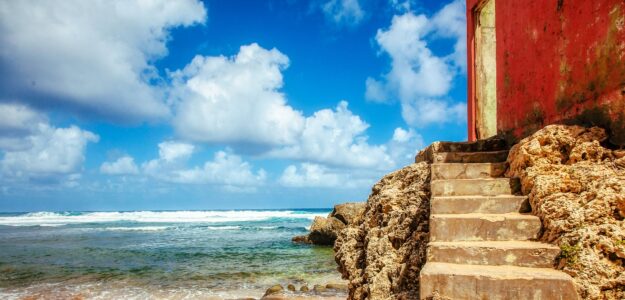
209,216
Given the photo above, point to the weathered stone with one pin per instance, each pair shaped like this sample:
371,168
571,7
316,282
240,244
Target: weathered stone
577,188
301,239
495,253
425,155
274,289
348,213
323,231
483,227
495,282
467,170
337,286
382,254
304,288
290,287
470,157
319,288
475,187
480,204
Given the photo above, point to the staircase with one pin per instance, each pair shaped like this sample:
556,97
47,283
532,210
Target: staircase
481,233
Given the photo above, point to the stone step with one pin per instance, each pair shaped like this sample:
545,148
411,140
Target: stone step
454,281
467,170
475,187
476,146
513,253
470,157
483,227
502,204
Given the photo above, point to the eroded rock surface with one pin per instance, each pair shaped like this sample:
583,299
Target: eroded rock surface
577,187
324,231
382,253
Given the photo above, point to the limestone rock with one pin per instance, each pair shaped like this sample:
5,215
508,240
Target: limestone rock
274,290
324,231
383,252
577,188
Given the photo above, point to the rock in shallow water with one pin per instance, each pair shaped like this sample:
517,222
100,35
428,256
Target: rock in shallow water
324,231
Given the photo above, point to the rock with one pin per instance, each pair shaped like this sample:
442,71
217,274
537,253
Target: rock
290,287
319,288
273,290
301,239
348,213
337,287
324,231
382,253
577,188
304,288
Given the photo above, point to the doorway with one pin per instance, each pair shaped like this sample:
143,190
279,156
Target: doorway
485,70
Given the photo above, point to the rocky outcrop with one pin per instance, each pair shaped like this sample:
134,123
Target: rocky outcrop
382,253
577,188
324,231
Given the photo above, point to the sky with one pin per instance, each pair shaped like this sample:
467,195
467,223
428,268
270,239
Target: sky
172,105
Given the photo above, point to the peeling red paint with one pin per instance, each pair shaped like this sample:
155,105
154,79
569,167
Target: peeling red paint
556,59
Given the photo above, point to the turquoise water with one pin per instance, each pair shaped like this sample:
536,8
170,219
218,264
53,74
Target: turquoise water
149,254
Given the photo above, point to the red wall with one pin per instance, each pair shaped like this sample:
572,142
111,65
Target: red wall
558,61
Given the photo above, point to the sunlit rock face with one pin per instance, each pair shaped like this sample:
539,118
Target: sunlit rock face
382,253
576,185
324,231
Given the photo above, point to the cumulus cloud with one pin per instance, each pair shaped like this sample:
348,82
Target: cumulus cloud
419,78
226,169
90,56
343,12
236,99
34,150
336,137
309,175
124,165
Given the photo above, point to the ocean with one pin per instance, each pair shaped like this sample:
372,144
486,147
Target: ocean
158,254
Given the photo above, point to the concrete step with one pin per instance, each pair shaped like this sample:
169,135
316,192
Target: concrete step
470,157
496,253
502,204
467,170
476,146
483,227
475,187
456,281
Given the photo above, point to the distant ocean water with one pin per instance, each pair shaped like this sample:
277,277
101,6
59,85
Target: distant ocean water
158,254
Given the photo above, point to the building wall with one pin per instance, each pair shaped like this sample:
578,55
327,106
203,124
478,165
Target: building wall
558,61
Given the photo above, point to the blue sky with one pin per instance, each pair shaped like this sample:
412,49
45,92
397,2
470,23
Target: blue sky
127,105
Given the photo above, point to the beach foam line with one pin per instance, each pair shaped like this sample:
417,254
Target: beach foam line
208,216
138,228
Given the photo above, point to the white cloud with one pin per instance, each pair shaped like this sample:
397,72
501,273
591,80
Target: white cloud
343,12
419,78
309,175
404,145
226,169
43,153
90,56
236,100
124,165
171,151
336,137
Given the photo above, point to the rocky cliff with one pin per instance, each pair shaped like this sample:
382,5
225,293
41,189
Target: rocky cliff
577,187
382,252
